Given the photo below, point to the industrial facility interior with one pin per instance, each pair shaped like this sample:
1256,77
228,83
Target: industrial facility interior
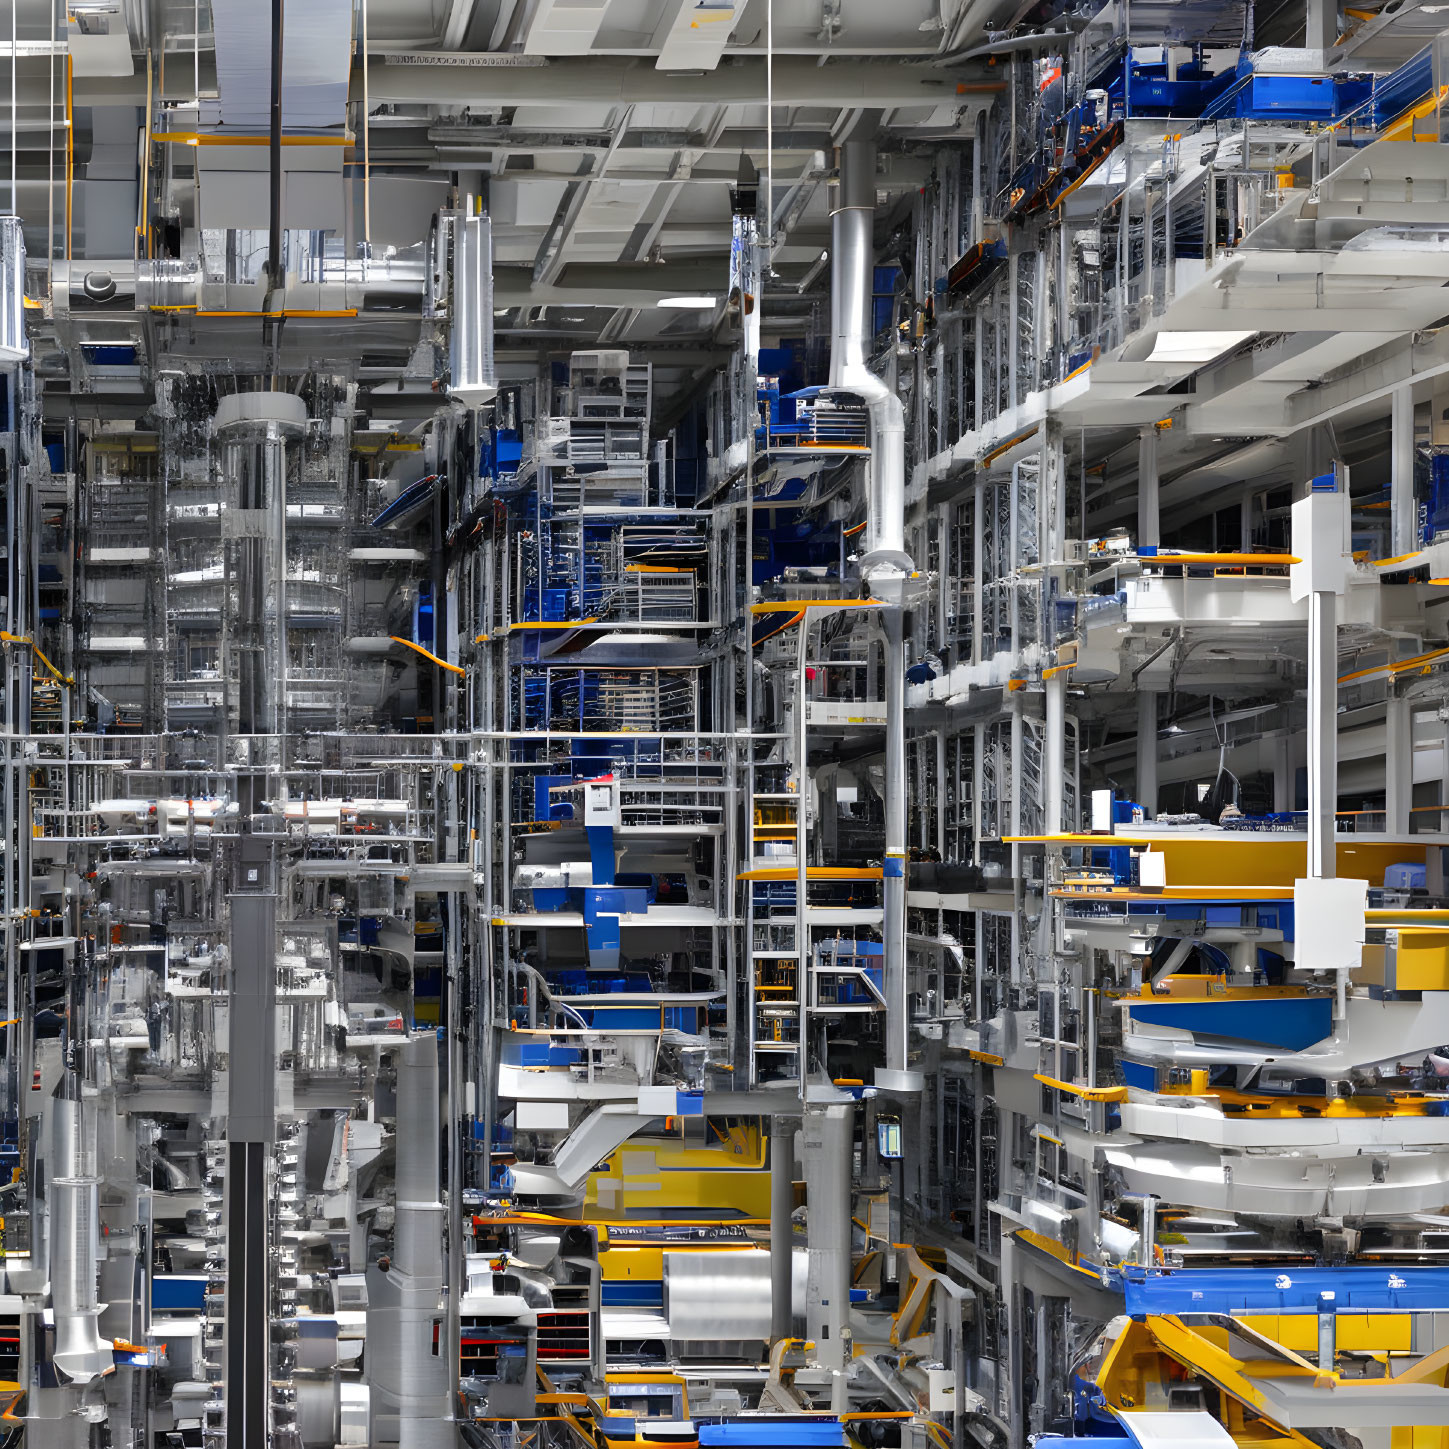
724,723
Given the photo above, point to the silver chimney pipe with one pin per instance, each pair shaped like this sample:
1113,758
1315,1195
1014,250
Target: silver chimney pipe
409,1380
473,380
886,566
81,1354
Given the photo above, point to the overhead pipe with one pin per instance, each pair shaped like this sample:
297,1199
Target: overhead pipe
886,565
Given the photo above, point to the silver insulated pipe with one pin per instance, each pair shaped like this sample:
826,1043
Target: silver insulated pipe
473,378
852,269
81,1354
886,566
409,1380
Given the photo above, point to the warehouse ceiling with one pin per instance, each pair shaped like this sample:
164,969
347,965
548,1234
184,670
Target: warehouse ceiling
608,139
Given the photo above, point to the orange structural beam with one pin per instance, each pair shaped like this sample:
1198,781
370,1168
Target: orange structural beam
1222,560
790,606
1393,667
1087,1094
814,872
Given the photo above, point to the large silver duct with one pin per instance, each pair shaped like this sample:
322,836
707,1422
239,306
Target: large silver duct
782,1233
253,429
472,378
829,1154
81,1354
886,566
409,1381
14,345
718,1297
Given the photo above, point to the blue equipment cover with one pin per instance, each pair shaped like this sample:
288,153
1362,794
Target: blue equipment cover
770,1433
1292,1289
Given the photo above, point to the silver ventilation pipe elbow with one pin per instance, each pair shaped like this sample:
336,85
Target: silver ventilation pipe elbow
886,565
81,1354
409,1372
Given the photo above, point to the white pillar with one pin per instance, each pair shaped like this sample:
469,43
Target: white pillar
1322,25
1149,532
1055,753
1398,765
1404,505
782,1206
978,563
1147,750
1322,732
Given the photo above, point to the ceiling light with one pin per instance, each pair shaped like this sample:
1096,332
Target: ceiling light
1194,346
689,304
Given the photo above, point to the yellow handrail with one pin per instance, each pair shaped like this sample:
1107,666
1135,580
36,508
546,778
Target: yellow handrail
427,654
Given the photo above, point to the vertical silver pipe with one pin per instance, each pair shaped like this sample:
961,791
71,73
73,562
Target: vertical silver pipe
1147,1243
829,1151
1149,528
81,1355
887,565
1398,764
1322,732
418,1252
941,793
897,1026
978,562
1402,501
782,1205
1327,1331
1054,756
473,379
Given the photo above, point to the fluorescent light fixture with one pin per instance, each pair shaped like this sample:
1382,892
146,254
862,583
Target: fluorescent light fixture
1195,346
689,304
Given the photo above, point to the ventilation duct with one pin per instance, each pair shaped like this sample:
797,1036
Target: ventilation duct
81,1354
317,60
473,381
886,566
233,181
13,344
565,27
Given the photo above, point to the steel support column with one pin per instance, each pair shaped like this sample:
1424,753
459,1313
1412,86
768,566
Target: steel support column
1322,731
1149,528
782,1206
1147,750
